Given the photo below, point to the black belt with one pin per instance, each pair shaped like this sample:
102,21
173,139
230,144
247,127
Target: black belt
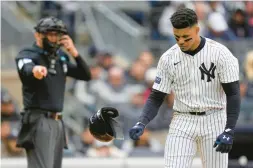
197,113
48,114
54,115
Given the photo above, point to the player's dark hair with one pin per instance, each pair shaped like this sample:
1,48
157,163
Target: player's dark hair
183,18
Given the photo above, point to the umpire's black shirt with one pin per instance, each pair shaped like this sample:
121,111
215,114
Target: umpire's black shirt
47,93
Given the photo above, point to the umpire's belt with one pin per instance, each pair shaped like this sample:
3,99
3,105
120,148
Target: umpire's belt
49,114
54,115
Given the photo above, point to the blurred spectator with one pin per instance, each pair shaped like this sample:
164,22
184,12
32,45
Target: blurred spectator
239,25
137,100
83,89
156,10
201,11
218,28
5,129
92,51
249,12
231,7
87,140
114,90
83,142
11,149
9,108
105,59
144,147
136,73
95,72
105,149
247,88
9,135
217,6
149,79
147,58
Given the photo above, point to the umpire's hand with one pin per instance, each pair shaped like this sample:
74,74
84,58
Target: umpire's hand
68,44
136,131
224,141
39,71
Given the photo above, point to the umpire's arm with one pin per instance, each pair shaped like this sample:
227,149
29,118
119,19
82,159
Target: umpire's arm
79,71
25,67
25,62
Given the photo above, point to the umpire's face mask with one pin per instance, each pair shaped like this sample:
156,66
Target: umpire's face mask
50,47
50,42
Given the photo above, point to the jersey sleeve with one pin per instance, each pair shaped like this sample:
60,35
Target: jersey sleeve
80,70
228,67
164,76
25,64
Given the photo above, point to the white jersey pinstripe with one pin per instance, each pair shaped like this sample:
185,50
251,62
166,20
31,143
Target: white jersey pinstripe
181,73
196,82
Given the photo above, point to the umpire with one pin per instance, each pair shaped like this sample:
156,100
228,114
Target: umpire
43,69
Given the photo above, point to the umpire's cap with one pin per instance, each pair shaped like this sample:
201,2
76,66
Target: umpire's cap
51,24
104,127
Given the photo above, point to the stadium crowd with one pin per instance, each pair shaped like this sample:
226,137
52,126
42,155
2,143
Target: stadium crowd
223,20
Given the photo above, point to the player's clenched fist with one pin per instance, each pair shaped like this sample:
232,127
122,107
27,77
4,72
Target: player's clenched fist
39,71
136,131
224,141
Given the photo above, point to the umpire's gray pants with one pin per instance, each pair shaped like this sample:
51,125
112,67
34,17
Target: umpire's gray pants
48,142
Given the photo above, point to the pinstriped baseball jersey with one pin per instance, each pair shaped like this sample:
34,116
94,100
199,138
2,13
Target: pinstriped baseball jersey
196,80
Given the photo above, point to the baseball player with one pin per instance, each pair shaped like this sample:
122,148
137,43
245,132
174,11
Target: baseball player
203,74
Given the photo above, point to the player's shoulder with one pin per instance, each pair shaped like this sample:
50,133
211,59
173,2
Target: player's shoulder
224,51
213,43
168,55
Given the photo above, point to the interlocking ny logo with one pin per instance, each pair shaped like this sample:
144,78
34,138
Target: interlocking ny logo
209,73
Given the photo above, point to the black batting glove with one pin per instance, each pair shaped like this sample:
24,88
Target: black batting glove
136,131
224,141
